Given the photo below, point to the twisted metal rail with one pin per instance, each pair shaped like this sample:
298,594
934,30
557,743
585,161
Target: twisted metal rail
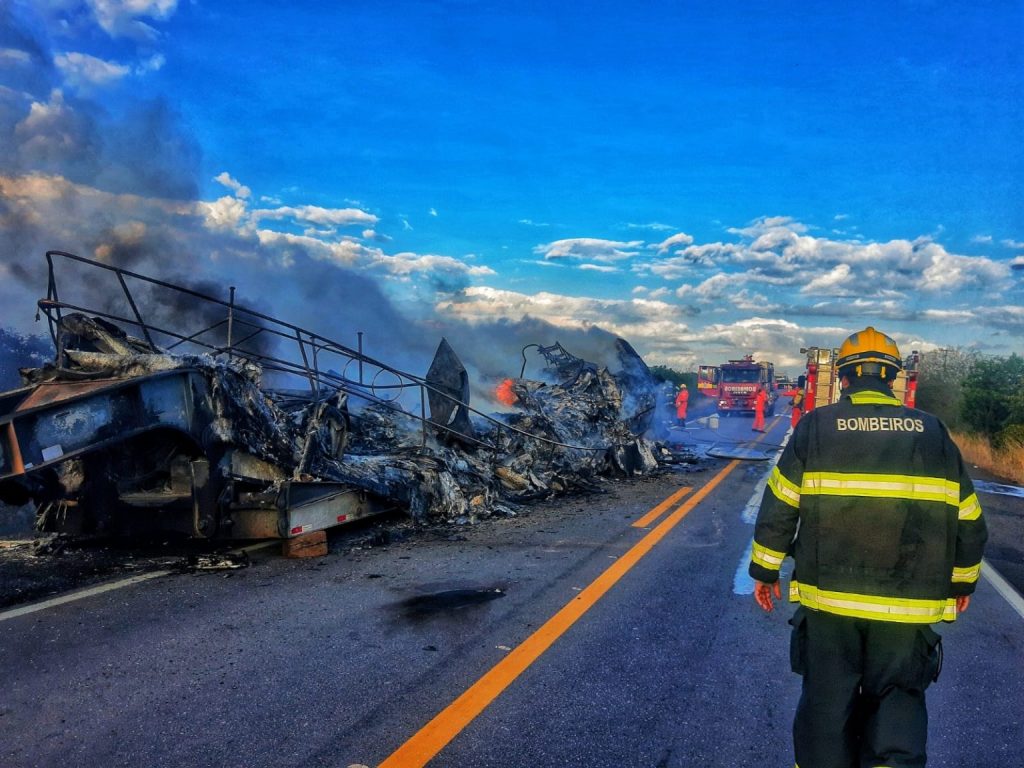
242,327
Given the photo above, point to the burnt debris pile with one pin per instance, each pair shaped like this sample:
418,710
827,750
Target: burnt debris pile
551,438
125,427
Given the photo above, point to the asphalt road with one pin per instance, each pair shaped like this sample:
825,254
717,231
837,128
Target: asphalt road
567,637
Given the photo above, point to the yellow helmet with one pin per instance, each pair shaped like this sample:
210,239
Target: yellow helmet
869,353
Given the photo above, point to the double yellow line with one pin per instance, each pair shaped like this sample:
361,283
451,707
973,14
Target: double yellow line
436,734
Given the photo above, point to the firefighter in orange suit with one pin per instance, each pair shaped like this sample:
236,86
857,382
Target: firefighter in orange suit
797,402
759,400
872,501
682,399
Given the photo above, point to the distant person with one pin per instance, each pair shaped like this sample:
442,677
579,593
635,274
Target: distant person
797,403
682,399
759,402
872,501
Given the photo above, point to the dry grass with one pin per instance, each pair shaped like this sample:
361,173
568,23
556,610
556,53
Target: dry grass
1008,464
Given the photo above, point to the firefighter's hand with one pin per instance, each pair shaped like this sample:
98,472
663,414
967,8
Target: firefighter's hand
763,594
962,602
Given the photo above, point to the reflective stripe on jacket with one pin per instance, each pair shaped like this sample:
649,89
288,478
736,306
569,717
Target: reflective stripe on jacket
873,501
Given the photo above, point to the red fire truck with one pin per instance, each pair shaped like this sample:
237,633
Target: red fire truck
739,381
707,379
820,382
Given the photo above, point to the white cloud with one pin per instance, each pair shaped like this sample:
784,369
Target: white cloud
690,258
712,289
984,239
947,271
676,240
640,320
322,242
345,253
654,225
777,252
14,56
41,115
1006,317
951,315
124,18
224,214
314,214
589,249
433,211
153,64
225,179
748,301
532,223
405,264
38,191
835,282
768,224
599,268
1015,244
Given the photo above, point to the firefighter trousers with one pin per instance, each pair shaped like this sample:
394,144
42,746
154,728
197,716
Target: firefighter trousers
863,702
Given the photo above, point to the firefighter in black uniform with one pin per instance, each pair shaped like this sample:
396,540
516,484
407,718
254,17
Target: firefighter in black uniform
872,501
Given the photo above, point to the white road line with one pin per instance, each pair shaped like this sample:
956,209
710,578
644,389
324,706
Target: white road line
79,595
999,488
1003,587
742,584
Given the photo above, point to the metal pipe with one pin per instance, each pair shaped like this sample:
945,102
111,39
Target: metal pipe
314,380
360,350
231,317
423,415
135,309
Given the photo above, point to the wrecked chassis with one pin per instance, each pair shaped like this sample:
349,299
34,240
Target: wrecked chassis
243,426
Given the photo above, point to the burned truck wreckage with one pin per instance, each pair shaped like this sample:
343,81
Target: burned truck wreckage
247,427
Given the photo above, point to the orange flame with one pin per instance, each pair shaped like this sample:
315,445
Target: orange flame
505,394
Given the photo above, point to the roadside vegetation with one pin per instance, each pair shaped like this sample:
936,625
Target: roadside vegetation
675,377
981,400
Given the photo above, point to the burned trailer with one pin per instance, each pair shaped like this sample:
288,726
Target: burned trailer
176,430
134,445
244,426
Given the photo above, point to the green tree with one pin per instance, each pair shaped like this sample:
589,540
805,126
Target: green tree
675,377
940,383
991,399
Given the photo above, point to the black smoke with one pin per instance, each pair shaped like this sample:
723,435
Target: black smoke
124,189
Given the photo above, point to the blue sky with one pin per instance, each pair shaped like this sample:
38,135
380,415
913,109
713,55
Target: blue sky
704,179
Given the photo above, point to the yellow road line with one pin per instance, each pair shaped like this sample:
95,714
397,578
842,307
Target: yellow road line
436,734
655,513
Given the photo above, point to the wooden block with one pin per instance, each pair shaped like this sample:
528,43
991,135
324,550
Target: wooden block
307,545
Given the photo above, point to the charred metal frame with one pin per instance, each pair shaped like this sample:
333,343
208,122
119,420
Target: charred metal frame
312,349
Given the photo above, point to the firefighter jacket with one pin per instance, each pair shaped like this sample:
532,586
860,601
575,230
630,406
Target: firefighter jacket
873,502
682,399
